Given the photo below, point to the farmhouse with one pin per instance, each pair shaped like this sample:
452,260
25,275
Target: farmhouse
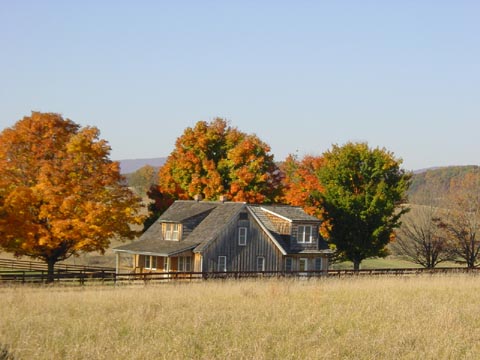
204,236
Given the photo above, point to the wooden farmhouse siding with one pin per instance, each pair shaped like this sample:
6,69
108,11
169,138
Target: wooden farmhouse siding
205,236
242,257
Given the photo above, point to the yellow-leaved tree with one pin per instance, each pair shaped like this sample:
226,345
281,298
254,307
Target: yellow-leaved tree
60,194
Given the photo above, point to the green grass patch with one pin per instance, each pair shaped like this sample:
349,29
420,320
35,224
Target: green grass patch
390,262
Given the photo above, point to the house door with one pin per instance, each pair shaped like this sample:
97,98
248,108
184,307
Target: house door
303,265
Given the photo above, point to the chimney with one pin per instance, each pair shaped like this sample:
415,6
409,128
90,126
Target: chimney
198,197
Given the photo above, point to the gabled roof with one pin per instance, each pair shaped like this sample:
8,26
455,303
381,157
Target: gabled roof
218,216
182,210
214,223
290,213
269,228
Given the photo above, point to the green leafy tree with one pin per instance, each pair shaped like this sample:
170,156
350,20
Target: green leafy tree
362,190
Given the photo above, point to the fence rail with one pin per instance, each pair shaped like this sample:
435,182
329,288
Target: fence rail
84,276
41,266
403,271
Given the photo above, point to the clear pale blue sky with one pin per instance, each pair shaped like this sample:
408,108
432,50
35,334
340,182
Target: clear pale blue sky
302,75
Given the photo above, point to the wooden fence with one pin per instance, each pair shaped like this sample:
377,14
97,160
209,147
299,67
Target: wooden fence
110,277
41,266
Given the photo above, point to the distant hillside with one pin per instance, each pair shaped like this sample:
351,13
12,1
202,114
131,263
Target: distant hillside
130,166
439,177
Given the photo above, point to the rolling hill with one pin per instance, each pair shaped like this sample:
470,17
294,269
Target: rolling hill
131,165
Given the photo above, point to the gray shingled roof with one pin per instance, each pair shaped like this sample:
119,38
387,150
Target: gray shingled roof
290,212
182,210
152,242
157,247
214,223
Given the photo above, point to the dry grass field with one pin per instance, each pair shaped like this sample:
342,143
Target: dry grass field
428,317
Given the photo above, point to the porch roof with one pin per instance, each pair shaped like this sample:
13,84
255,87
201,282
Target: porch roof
157,247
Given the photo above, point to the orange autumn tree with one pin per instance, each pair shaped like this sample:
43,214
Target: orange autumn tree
302,186
214,159
60,194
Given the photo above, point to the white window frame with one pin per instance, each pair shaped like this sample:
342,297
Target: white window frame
185,263
188,263
172,231
305,261
150,262
260,263
318,266
242,236
287,260
222,263
302,235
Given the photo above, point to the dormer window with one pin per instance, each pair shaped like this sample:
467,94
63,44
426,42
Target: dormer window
172,231
305,234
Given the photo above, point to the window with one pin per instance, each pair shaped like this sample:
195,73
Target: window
305,234
151,262
303,264
260,263
166,264
222,263
188,263
288,264
185,263
243,216
172,231
242,236
318,264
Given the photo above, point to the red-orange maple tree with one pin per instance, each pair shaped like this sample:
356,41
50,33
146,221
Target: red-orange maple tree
60,194
302,186
215,159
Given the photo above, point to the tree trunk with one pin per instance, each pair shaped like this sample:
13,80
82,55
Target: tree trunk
51,270
356,265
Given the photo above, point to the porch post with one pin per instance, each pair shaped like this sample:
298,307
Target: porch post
117,261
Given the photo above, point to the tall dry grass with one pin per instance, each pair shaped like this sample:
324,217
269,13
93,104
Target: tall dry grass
357,318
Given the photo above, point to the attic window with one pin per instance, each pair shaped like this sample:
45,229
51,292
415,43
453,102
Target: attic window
172,231
243,216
